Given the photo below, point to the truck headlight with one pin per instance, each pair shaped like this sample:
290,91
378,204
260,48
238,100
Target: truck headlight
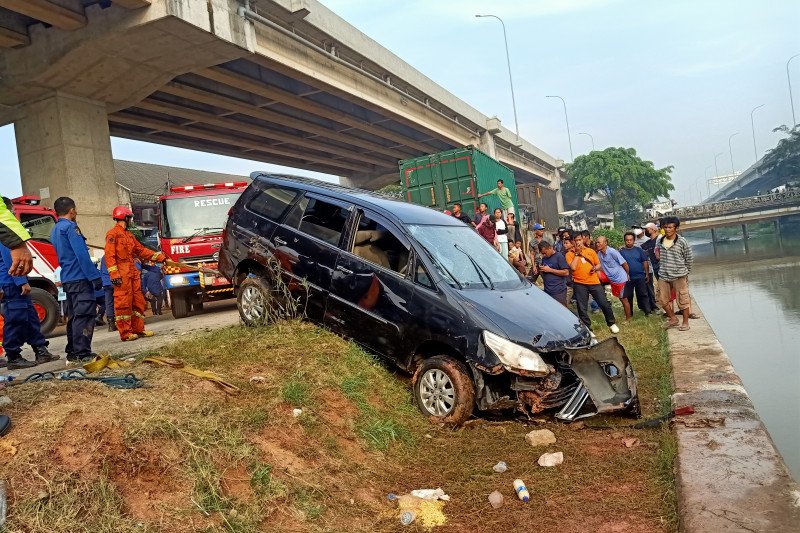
513,356
178,280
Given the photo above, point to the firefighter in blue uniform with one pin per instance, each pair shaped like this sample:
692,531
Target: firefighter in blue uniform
20,321
79,278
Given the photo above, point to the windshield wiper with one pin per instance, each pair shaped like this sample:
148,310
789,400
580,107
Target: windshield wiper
478,268
200,231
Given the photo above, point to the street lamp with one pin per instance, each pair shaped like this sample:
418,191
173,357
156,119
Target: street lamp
708,182
791,99
716,168
730,151
569,137
590,136
753,126
508,62
697,188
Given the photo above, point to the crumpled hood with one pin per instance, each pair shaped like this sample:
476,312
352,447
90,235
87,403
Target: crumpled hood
528,316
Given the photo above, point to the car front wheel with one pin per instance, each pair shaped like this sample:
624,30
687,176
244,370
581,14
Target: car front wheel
253,300
443,390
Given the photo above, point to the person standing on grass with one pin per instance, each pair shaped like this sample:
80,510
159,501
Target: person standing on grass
501,232
503,194
639,272
555,271
584,264
649,246
675,264
616,269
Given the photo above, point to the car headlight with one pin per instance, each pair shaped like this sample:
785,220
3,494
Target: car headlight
178,280
513,356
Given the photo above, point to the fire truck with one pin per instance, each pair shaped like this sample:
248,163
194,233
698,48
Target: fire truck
39,221
191,220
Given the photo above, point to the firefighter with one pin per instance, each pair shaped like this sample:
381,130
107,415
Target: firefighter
79,278
13,235
122,249
21,323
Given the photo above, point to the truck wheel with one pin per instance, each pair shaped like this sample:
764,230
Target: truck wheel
443,390
46,308
180,305
253,300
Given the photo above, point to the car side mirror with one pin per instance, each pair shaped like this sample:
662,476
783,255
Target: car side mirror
148,216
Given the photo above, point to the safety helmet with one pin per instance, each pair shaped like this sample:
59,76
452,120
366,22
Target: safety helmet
121,212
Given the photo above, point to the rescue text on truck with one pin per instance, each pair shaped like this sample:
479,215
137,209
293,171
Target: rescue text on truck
191,221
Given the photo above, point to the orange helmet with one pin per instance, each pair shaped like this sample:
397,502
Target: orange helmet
121,212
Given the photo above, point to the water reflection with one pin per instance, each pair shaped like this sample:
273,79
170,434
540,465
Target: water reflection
752,300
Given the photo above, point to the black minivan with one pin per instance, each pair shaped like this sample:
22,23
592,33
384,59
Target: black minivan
425,291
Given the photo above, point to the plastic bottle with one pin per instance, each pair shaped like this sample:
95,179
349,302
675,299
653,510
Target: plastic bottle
7,378
407,517
522,492
500,467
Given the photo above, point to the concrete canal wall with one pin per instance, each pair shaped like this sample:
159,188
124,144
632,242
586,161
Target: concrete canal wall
729,475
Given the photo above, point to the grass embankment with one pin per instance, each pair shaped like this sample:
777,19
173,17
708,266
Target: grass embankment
181,456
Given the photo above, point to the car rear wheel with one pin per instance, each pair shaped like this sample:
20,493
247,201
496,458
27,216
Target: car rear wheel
443,390
253,300
46,309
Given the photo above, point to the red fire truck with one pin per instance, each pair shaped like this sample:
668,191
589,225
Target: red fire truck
191,220
39,221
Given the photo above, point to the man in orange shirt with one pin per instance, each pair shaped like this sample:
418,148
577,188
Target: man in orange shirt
122,250
584,264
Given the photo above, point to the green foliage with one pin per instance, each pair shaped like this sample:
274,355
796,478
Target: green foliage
395,190
783,161
614,236
625,179
295,390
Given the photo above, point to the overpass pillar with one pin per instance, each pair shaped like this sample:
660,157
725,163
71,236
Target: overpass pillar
487,144
64,148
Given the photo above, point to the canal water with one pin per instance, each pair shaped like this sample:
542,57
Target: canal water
752,301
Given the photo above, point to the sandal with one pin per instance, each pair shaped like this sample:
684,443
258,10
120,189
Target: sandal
670,325
683,328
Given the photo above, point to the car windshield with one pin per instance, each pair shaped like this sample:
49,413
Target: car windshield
464,258
38,225
195,215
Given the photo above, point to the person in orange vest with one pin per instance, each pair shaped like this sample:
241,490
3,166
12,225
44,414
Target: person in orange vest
122,250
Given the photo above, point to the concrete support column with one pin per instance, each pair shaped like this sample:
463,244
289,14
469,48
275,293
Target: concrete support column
487,144
745,238
64,149
714,240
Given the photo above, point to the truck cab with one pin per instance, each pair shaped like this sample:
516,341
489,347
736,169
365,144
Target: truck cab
191,221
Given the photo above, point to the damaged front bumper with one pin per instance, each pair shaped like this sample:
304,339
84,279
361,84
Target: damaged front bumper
583,382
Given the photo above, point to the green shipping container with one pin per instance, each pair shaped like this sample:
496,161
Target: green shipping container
459,175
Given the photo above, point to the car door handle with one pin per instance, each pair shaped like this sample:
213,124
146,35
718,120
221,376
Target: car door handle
344,270
279,241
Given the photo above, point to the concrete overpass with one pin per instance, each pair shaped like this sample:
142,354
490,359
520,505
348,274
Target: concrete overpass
280,81
751,182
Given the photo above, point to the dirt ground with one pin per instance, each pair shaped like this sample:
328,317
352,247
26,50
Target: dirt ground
182,456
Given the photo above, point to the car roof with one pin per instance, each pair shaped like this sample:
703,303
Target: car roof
398,210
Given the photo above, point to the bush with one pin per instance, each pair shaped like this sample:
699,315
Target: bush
614,236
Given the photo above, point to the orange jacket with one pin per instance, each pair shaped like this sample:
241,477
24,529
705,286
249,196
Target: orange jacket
122,249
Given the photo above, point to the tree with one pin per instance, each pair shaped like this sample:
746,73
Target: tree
625,179
783,161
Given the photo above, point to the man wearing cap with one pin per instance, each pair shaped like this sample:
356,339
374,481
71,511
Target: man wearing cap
639,236
539,236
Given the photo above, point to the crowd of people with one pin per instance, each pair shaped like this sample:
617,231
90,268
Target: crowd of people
651,269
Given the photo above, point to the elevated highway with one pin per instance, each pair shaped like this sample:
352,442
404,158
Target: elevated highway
280,81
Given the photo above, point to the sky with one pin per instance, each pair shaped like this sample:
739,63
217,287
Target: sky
672,79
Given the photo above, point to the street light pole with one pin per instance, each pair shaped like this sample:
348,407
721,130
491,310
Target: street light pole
789,79
716,168
508,62
753,126
566,117
697,188
590,136
730,151
708,184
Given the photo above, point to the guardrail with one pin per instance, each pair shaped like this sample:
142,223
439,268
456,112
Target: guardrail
729,207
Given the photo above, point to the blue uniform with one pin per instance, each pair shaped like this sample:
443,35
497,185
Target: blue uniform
152,283
80,278
108,290
20,321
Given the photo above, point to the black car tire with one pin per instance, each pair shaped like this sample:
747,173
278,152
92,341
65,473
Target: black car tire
456,393
50,306
180,305
253,299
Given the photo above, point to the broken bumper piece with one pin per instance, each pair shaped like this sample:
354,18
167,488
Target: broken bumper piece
606,378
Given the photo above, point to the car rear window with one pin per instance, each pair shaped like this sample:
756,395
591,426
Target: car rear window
272,202
318,218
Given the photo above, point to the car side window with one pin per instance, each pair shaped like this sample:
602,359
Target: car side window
272,202
323,220
421,276
296,214
379,245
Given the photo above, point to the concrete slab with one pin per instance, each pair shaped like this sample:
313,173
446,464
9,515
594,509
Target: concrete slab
729,474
